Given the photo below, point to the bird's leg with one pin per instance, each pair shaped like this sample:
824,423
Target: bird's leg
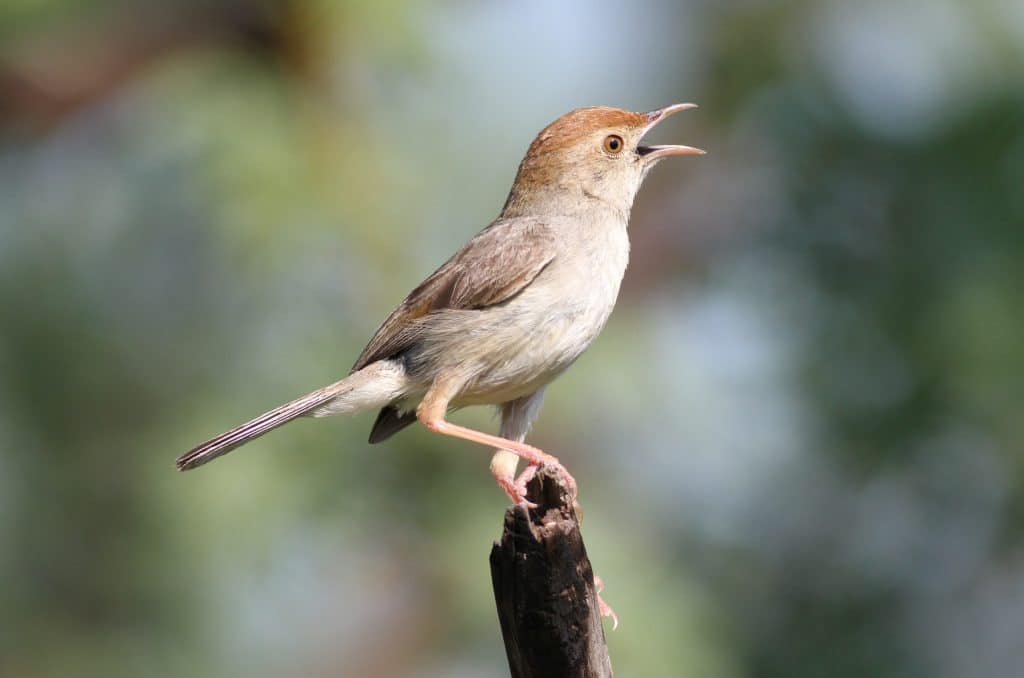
434,406
517,416
513,485
503,468
531,454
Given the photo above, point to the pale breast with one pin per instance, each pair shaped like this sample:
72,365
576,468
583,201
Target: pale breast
511,349
541,332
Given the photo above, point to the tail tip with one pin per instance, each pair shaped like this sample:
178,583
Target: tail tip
187,461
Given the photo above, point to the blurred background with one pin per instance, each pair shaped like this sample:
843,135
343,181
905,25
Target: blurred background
799,440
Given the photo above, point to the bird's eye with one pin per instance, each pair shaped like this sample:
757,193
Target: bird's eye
613,144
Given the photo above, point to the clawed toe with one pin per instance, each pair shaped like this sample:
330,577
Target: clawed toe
604,608
515,488
516,491
526,476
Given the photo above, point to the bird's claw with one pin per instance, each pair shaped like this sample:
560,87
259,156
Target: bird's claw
516,488
516,491
604,608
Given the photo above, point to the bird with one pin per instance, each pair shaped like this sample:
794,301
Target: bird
510,311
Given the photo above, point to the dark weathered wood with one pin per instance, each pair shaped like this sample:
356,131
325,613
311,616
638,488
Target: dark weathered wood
544,589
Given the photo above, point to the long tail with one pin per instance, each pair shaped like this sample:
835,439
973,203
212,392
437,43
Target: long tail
376,385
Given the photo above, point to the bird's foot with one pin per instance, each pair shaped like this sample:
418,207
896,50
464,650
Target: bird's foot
516,488
604,608
526,476
516,491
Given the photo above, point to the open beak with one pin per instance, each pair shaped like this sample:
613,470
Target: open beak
652,153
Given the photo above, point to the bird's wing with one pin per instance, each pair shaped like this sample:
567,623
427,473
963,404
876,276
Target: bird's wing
494,266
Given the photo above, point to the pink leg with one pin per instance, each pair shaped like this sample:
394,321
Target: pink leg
503,468
515,490
532,455
514,487
516,418
431,413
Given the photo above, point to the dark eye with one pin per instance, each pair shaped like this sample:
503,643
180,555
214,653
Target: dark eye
613,144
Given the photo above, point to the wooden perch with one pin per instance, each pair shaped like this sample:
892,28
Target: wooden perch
544,589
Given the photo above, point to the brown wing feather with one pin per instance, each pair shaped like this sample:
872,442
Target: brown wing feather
494,266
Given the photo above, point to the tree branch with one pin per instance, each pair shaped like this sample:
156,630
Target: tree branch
544,589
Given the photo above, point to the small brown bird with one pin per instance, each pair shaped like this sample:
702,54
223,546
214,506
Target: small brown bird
511,310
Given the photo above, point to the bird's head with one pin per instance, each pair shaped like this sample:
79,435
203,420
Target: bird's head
590,154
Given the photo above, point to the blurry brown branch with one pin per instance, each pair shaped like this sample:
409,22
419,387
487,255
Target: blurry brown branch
61,72
544,589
